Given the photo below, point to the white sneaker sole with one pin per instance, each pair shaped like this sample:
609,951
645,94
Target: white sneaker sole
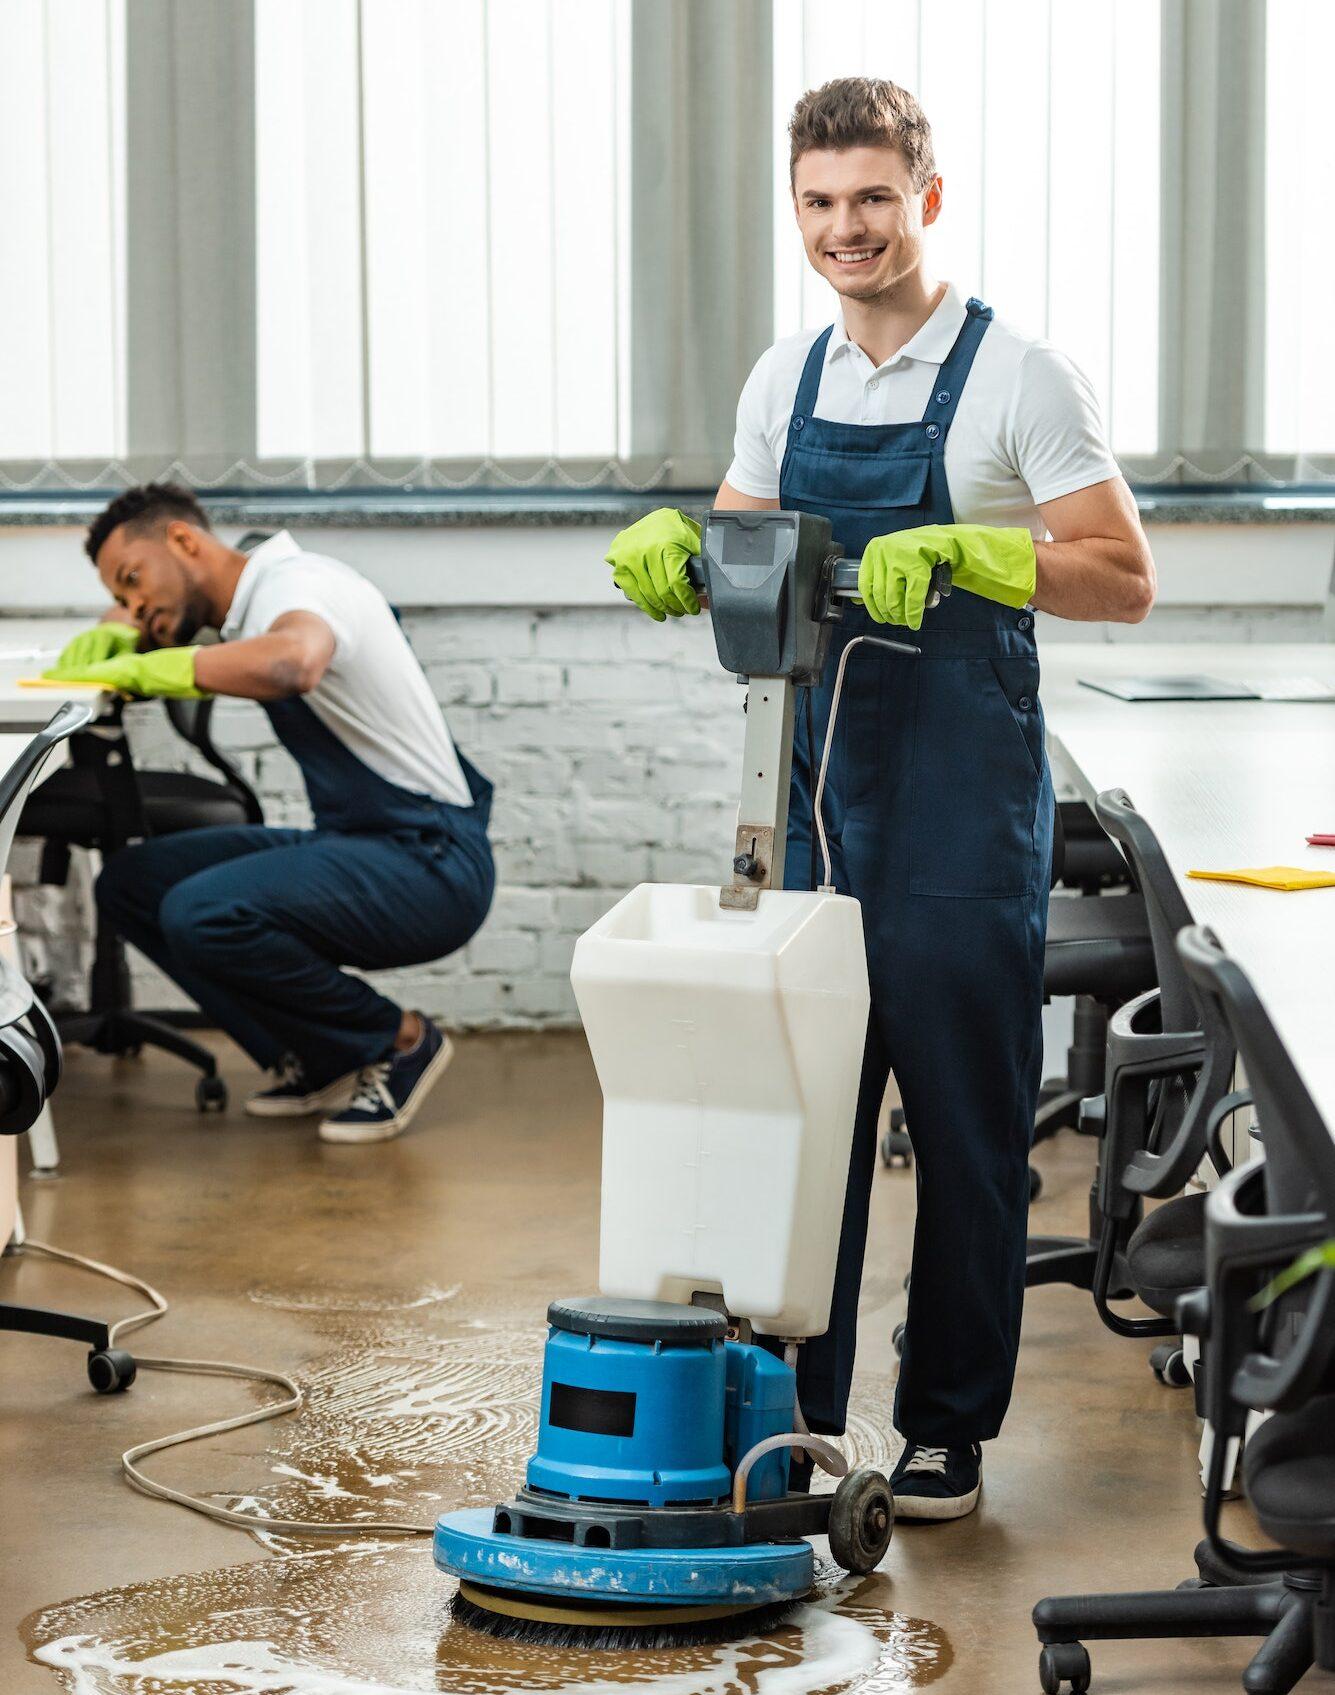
335,1094
934,1509
331,1130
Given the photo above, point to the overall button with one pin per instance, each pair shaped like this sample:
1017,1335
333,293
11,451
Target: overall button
1024,622
943,398
933,431
1025,702
797,423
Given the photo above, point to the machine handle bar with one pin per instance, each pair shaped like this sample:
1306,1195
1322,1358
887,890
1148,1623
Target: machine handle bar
844,580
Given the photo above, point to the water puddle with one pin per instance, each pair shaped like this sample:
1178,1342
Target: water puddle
411,1413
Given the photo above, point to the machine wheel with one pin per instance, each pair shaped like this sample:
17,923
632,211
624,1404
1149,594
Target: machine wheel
862,1521
1169,1365
111,1370
897,1337
211,1094
896,1148
1062,1663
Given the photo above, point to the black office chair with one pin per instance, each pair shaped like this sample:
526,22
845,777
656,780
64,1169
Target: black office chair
101,801
1278,1358
30,1061
1164,1101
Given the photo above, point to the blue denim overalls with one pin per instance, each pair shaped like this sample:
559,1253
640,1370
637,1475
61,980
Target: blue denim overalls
939,807
255,922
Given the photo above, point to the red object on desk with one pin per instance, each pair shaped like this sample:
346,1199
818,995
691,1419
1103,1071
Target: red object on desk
1321,841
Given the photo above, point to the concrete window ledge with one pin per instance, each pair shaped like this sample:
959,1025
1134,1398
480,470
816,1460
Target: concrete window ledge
539,551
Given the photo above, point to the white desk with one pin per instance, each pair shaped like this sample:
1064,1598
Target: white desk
1224,784
40,640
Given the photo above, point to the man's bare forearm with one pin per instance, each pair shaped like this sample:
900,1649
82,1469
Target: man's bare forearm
1095,578
269,667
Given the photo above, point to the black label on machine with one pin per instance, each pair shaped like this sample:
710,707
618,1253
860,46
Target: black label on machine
601,1412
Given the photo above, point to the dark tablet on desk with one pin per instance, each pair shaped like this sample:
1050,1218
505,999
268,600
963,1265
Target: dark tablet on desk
1169,688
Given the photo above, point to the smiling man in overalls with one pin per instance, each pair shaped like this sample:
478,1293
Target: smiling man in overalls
926,430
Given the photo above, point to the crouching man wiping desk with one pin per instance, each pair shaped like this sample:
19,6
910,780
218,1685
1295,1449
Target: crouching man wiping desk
254,923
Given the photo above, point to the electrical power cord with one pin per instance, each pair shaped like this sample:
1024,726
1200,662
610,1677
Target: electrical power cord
293,1401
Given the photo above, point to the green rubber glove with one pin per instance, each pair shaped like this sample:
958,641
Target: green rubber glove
649,564
103,641
896,571
167,671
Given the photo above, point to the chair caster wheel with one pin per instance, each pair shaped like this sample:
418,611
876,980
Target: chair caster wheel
1061,1663
862,1520
1169,1365
897,1337
1035,1184
111,1371
896,1148
211,1094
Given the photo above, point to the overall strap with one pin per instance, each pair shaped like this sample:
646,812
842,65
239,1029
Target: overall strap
954,372
809,386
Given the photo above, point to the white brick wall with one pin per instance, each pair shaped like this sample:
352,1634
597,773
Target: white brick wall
613,744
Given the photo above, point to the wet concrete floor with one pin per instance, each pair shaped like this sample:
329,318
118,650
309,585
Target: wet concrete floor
405,1287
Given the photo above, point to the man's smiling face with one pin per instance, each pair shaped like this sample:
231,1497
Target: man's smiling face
861,217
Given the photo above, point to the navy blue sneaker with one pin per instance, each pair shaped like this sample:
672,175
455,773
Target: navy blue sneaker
294,1095
936,1483
389,1093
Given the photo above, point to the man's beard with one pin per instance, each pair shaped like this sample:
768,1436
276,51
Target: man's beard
192,619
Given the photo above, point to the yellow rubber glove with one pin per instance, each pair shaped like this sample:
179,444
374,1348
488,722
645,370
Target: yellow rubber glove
167,671
649,564
896,571
103,641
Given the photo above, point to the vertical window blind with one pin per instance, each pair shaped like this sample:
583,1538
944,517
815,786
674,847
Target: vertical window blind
1300,234
441,229
1044,117
448,243
62,213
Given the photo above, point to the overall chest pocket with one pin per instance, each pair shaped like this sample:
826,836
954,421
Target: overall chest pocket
977,778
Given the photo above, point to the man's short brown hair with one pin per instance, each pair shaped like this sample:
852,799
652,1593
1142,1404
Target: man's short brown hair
862,112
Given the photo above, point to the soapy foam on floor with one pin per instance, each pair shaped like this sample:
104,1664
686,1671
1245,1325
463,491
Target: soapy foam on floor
404,1415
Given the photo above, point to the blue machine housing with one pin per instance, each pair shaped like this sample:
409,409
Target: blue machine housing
658,1422
644,1405
631,1421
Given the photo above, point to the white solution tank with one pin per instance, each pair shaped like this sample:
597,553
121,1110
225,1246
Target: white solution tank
729,1049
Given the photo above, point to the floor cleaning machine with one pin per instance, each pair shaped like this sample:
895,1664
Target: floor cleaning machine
727,1028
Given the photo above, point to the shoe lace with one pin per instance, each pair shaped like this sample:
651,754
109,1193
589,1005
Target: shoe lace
930,1459
371,1091
289,1071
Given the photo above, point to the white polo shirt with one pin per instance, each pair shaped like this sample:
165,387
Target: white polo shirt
1026,430
373,696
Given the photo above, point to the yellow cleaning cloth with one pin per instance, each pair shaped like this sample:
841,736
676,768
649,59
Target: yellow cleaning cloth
1272,877
55,683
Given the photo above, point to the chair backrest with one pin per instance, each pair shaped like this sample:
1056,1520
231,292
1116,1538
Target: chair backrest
22,774
1154,1152
1300,1151
1259,1219
1165,909
192,720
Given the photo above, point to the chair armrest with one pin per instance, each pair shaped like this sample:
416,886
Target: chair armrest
1220,1113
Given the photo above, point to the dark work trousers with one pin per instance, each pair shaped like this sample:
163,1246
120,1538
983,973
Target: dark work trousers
256,923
